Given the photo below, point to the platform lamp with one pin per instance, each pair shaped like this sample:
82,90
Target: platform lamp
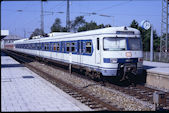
146,25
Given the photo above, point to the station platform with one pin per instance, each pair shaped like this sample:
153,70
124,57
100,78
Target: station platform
157,74
23,90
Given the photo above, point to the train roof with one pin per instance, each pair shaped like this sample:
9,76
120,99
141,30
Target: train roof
59,33
109,30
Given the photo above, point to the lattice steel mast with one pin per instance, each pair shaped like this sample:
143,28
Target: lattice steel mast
42,18
68,17
164,40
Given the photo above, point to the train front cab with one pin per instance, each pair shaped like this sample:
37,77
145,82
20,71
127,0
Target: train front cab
121,54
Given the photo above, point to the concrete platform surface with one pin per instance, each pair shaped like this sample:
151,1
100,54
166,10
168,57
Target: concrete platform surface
23,90
157,75
156,67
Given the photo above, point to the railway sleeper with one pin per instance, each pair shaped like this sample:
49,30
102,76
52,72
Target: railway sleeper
90,103
96,107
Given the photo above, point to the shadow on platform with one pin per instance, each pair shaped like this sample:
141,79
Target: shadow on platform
11,65
148,67
3,54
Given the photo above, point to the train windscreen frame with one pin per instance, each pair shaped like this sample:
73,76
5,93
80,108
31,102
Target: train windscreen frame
121,44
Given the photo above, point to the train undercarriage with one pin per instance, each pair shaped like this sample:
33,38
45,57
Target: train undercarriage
126,71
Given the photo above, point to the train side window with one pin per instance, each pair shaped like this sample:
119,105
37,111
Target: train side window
88,47
31,46
98,44
42,46
54,47
47,46
58,46
78,46
73,47
63,46
34,45
83,46
68,47
38,46
51,44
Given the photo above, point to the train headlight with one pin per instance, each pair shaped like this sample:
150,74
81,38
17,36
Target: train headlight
113,60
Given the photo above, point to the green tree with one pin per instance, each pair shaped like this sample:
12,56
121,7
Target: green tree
56,27
108,25
156,41
78,22
77,25
91,26
134,24
36,32
88,26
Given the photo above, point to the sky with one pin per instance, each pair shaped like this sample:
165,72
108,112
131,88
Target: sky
24,16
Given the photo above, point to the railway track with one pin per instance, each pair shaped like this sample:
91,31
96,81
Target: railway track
89,100
140,92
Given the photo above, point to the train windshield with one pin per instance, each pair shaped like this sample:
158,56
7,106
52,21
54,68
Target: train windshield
134,43
120,44
111,43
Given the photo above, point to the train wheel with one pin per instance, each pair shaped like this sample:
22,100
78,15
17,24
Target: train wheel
132,79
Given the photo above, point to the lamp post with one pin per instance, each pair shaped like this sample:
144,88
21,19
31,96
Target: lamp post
146,25
151,44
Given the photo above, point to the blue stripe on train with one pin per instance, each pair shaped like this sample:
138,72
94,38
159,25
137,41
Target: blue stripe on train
127,60
122,60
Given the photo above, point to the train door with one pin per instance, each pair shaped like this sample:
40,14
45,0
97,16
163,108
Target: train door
97,52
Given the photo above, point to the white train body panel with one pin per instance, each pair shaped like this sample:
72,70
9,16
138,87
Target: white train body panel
99,59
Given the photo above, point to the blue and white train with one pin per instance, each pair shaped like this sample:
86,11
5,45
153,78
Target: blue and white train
107,51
